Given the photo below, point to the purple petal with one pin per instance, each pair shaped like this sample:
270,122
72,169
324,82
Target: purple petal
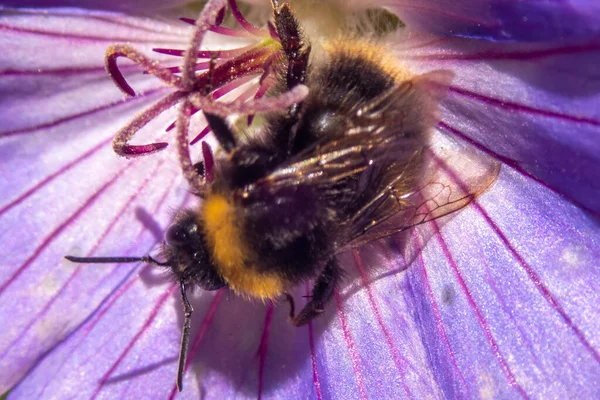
500,303
67,192
513,287
533,107
501,20
126,5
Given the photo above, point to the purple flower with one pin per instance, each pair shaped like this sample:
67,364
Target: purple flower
498,301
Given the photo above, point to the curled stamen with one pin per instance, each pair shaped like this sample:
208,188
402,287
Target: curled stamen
255,106
209,13
148,65
239,66
190,173
125,134
223,90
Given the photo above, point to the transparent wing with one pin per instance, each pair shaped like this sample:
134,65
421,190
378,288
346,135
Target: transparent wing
387,131
451,177
385,170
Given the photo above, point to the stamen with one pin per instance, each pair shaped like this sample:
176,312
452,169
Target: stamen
189,21
262,90
272,31
220,16
217,94
125,134
247,63
204,53
221,30
208,161
209,13
238,66
284,100
150,66
199,67
243,22
267,68
194,180
231,86
201,135
169,52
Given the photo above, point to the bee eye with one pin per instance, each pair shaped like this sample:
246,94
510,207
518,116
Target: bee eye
176,236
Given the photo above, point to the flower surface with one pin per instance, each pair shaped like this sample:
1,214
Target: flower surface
498,301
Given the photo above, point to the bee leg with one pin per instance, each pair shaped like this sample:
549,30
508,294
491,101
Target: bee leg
222,132
321,294
185,336
297,52
295,47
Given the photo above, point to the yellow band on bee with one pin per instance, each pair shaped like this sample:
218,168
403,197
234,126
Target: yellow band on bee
230,253
370,52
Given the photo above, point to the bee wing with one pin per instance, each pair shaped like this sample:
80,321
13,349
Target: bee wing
382,132
385,155
452,176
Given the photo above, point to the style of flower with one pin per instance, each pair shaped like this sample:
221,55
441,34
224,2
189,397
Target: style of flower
499,301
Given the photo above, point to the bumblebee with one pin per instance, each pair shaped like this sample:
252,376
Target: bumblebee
339,169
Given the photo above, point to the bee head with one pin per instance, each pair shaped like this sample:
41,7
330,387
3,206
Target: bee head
187,254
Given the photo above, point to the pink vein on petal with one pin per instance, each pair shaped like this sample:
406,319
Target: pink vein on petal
242,21
52,176
208,319
513,164
63,71
513,106
81,114
166,192
157,306
48,239
77,270
480,318
56,71
537,281
97,319
396,356
512,55
437,315
502,300
445,14
535,278
115,294
74,36
262,349
103,18
313,356
351,346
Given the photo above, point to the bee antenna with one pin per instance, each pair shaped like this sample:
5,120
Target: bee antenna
185,336
111,260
